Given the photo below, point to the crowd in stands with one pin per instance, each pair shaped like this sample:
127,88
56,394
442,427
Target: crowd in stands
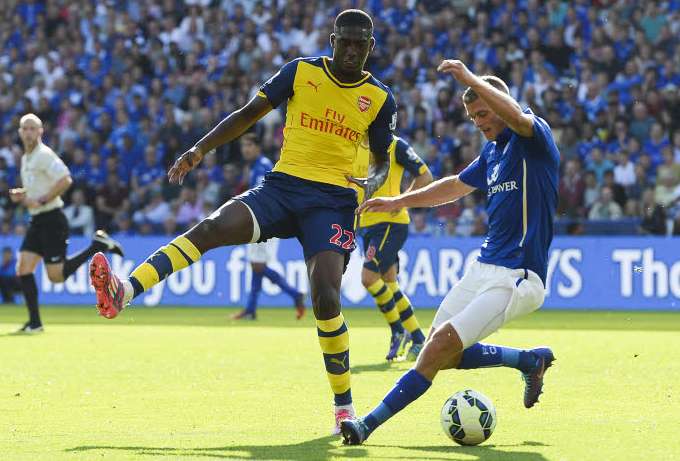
123,87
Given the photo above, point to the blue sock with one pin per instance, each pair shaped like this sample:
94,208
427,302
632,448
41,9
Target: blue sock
276,278
490,355
409,387
255,288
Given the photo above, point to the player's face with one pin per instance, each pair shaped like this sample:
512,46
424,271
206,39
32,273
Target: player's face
485,119
351,49
249,151
30,132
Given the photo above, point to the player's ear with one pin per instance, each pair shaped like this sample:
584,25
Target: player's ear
371,45
331,40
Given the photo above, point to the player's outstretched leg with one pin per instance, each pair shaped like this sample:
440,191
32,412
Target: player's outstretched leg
532,363
408,319
101,242
298,297
325,274
231,224
384,299
441,351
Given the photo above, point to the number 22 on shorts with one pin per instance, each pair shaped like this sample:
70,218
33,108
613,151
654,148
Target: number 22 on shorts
339,233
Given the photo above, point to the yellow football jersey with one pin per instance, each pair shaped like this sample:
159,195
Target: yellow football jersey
326,119
402,158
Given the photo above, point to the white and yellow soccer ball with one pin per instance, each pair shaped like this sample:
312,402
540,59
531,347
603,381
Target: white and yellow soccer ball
468,417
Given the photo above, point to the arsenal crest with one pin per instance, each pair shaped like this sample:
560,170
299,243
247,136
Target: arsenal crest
364,102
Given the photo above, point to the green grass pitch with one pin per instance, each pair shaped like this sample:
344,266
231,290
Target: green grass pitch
186,384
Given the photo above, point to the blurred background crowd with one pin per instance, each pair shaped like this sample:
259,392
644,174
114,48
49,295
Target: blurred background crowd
123,87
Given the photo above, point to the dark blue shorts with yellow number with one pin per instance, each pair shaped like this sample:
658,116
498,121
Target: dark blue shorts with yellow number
382,243
319,215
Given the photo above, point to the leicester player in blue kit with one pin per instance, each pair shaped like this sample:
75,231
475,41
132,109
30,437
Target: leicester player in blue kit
256,168
518,169
383,235
332,106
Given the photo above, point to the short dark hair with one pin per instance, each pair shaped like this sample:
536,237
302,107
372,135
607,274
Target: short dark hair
250,137
353,18
470,96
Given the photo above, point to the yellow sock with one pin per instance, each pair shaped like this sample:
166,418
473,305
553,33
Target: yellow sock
406,314
334,341
173,257
384,299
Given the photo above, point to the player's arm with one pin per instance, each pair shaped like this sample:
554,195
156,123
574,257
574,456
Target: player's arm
437,193
55,191
233,126
379,139
501,103
276,90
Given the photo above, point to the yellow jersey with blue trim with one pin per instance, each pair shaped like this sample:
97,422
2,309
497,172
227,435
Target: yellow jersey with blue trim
402,158
326,120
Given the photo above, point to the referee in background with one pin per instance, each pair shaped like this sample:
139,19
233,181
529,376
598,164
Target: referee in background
45,177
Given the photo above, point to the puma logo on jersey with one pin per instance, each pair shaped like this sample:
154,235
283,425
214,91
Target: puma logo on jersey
314,85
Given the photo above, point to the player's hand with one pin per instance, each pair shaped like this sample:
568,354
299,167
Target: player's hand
31,203
369,185
184,164
381,205
17,195
459,71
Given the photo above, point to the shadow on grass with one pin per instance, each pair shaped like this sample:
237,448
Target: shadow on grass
482,452
381,366
324,448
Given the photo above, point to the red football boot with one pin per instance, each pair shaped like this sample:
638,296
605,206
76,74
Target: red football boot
107,285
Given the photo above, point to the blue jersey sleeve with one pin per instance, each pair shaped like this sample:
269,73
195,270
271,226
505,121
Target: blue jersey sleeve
407,157
279,87
475,173
380,131
543,140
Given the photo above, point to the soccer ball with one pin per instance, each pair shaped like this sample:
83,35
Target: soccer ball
468,417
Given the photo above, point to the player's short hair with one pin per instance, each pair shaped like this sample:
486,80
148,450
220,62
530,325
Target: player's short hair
30,116
250,137
353,18
470,96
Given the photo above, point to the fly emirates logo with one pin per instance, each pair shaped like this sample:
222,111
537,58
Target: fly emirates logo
331,123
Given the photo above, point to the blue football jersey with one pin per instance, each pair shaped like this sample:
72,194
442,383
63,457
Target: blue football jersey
520,176
260,167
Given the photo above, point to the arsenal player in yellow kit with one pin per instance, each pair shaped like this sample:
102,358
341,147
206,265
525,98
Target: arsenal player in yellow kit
333,104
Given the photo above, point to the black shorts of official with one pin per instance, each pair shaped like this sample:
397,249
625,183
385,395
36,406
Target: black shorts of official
47,235
382,243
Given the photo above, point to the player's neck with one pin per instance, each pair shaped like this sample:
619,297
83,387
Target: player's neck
344,77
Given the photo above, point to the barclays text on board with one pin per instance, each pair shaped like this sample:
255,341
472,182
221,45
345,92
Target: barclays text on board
583,272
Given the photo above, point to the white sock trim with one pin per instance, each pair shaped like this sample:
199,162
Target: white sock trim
128,291
256,225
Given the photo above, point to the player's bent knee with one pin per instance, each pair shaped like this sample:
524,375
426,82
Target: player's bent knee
368,278
326,303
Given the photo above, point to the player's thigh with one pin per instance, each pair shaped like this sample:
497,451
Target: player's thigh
54,240
455,301
27,262
230,224
392,273
325,271
484,315
529,294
